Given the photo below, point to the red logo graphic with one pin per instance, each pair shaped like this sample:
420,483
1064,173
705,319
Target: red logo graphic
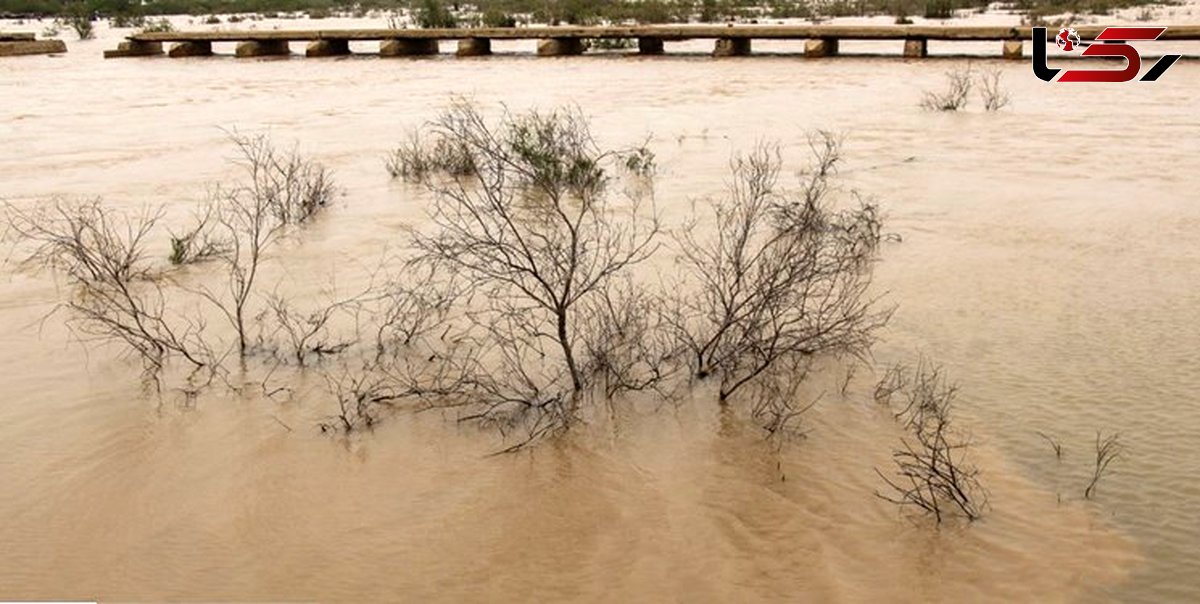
1108,44
1067,38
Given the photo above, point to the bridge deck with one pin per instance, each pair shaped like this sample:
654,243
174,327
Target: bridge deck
665,32
731,40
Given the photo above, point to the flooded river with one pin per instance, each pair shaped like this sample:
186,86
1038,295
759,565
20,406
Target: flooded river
1050,258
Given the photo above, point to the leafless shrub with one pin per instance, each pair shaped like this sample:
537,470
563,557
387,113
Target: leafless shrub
291,187
991,90
955,96
250,228
280,190
784,273
118,294
534,235
1108,449
491,373
933,471
505,381
927,394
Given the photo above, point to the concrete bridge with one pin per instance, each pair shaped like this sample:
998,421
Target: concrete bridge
729,40
13,44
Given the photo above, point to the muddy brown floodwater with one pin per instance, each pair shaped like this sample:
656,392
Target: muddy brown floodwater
1050,259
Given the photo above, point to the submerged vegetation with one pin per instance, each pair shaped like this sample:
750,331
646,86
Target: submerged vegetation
524,299
991,90
419,157
532,299
537,237
118,293
783,277
959,84
956,94
1108,449
531,226
933,468
79,18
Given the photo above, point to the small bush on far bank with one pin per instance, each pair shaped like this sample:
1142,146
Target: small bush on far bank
432,14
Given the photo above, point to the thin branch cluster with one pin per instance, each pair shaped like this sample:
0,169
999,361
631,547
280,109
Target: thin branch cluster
1108,449
782,276
117,290
933,471
959,84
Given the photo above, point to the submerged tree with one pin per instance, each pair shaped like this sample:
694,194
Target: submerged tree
991,90
957,92
537,238
281,189
117,292
781,274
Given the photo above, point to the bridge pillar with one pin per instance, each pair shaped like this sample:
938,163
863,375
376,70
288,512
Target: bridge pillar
408,47
327,48
135,48
820,47
650,46
731,47
1014,49
191,48
474,47
916,48
556,47
262,48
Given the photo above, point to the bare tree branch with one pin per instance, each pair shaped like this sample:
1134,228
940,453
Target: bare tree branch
532,232
782,274
1108,449
933,471
117,292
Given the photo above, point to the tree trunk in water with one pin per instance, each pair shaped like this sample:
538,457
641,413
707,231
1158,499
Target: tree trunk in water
576,381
